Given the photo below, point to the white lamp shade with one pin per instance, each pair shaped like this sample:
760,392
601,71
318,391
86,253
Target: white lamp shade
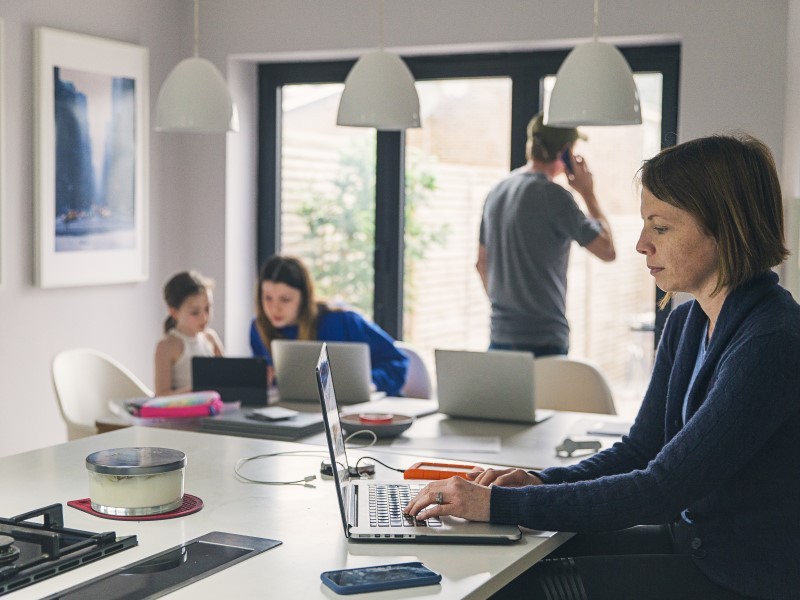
379,92
195,99
594,86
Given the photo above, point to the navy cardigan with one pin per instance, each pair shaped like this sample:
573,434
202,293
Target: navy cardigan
735,464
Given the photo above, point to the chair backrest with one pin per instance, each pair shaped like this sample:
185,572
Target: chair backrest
564,383
418,380
84,381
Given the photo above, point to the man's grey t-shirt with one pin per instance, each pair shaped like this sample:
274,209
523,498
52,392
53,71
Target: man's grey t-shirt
528,226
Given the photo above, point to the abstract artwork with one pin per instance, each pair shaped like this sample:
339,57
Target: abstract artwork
2,146
92,100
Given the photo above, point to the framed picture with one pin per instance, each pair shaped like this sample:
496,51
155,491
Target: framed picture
2,148
91,102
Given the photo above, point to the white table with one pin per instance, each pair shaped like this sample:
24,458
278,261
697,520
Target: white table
521,445
305,519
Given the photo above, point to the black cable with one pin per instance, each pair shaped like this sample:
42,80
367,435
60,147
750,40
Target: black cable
380,463
305,480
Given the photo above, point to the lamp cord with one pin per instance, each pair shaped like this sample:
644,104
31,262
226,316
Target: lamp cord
197,28
380,24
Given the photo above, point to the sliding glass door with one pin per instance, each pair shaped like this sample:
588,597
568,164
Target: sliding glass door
388,222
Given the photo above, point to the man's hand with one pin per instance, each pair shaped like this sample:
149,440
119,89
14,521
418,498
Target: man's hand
581,179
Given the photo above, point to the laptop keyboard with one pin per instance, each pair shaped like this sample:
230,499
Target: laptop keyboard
386,503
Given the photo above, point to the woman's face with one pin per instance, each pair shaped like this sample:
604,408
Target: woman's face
281,303
680,255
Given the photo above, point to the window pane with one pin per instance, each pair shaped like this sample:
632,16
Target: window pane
328,194
461,151
610,305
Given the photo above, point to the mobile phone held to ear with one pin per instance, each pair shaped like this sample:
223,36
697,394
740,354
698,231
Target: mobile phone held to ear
379,577
566,158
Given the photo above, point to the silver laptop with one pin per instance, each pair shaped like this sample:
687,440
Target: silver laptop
294,370
371,510
494,385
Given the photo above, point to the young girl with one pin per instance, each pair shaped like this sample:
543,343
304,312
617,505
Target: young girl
286,309
190,301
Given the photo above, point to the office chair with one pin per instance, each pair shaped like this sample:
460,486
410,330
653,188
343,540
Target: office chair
563,383
84,381
418,380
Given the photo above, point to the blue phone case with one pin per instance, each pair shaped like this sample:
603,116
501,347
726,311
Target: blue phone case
379,577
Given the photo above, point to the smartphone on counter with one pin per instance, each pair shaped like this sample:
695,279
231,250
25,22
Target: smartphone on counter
566,158
379,577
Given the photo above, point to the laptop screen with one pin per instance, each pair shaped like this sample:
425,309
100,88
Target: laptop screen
333,431
237,379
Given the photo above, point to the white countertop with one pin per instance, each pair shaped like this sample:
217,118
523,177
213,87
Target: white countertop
305,519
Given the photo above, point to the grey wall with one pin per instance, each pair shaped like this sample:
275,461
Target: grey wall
734,75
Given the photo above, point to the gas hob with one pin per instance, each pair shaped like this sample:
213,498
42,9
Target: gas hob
31,551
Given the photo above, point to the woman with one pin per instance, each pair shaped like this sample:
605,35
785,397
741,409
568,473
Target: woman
286,309
711,463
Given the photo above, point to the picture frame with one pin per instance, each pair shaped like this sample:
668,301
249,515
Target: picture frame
2,148
91,147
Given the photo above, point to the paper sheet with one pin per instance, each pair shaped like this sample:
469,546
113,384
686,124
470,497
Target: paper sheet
450,443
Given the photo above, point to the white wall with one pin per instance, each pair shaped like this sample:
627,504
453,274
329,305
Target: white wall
733,75
791,147
122,320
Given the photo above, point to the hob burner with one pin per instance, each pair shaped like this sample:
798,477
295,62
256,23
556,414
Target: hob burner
8,551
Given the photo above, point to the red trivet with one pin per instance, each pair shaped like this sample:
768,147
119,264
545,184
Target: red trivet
191,504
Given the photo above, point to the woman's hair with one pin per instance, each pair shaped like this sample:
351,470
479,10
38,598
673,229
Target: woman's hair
292,272
182,286
730,185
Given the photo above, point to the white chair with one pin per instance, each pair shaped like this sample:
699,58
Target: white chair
418,380
84,381
564,383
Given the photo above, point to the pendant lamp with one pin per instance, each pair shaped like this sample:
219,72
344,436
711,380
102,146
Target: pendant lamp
379,92
594,86
194,97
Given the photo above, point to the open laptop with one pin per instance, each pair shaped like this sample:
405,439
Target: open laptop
295,360
361,499
241,380
494,385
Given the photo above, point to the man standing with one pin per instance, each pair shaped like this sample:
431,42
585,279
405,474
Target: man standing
528,225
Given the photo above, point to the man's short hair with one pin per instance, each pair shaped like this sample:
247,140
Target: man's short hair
545,143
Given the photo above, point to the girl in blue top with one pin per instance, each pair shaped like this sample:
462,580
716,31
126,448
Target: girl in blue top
286,309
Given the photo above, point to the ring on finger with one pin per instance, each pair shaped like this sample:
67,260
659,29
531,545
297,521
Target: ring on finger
439,498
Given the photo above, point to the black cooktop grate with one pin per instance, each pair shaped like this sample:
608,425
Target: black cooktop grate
43,550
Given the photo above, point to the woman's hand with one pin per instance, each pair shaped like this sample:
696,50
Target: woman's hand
504,477
455,496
